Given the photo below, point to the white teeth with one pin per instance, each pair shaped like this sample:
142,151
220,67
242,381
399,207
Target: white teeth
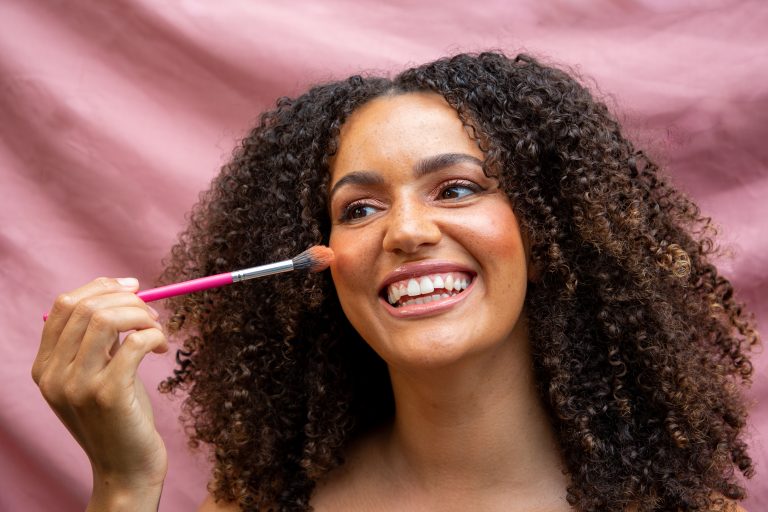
423,287
413,288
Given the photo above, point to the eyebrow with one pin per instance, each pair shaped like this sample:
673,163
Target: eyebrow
422,168
437,162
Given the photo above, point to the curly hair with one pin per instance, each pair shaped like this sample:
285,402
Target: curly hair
639,347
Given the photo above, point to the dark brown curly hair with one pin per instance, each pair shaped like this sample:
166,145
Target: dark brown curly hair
640,349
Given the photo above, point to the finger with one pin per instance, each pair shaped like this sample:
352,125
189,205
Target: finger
82,318
62,310
136,345
94,352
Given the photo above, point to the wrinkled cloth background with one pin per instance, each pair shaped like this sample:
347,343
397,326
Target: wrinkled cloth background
114,115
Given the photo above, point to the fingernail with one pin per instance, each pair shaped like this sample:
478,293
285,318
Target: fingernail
128,282
153,312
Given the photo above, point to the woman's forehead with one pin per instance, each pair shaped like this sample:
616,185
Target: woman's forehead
400,127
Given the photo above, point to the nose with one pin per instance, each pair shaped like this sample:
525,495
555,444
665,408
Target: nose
410,227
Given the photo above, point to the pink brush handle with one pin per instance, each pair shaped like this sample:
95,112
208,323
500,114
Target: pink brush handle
171,290
195,285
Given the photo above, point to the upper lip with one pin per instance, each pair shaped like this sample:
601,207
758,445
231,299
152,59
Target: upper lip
423,268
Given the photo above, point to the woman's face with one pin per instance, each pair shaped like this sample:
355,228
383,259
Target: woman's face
430,265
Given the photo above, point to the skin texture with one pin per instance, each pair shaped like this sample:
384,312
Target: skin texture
441,453
410,221
621,361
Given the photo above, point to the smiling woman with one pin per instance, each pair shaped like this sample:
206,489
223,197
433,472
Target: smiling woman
521,315
426,212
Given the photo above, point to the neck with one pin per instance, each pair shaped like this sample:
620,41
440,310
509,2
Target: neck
475,424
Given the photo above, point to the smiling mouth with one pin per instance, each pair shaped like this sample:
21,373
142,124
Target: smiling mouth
426,289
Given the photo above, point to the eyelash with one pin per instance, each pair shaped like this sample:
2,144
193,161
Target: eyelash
346,214
474,187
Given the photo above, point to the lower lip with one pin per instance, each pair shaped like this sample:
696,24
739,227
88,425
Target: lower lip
430,308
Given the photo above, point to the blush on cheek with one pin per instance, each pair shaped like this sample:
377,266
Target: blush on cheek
349,264
501,235
343,266
351,272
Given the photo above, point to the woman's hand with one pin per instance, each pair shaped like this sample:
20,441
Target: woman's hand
89,379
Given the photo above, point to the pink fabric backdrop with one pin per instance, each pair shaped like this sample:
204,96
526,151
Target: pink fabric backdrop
113,115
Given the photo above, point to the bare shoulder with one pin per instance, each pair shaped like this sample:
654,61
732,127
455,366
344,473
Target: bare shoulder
211,505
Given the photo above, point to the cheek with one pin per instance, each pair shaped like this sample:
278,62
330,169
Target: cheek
353,253
494,231
493,236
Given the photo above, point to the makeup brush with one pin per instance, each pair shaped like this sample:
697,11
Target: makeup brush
314,259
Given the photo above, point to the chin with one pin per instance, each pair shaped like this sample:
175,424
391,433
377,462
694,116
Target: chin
432,352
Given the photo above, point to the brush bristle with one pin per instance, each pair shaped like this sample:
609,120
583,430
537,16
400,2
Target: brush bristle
314,259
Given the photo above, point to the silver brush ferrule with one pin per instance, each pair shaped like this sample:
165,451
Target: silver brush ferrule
263,270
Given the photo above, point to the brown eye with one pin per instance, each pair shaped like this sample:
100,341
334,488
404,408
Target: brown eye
457,191
357,211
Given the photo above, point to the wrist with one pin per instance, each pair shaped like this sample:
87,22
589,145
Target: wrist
113,495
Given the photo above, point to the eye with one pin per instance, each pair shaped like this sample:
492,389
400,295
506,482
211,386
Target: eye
458,190
357,210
